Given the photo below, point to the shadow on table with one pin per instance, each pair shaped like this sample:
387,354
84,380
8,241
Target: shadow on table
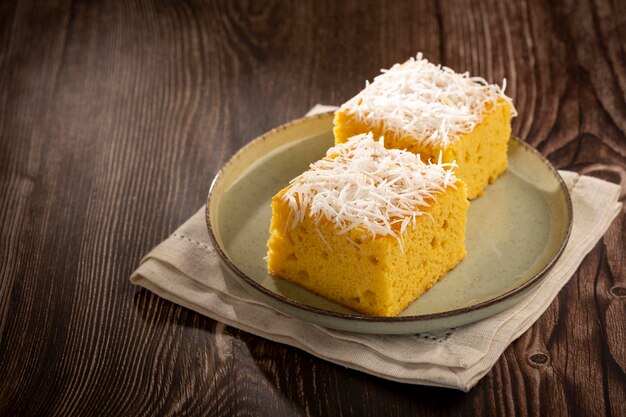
294,381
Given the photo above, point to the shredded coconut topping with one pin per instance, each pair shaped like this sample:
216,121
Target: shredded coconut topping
359,183
428,102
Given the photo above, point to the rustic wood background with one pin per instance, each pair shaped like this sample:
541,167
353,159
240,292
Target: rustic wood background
115,115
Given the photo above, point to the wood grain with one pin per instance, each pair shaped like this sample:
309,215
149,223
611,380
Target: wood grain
115,115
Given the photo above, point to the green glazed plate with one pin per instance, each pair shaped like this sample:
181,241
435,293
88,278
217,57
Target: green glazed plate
515,233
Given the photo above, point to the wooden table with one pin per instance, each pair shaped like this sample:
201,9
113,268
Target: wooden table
115,115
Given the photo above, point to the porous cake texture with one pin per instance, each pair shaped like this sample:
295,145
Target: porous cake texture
368,227
428,109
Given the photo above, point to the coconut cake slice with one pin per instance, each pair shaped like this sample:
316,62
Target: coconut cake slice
368,227
428,109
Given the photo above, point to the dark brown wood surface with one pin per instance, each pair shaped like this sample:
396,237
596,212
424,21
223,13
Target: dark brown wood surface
115,115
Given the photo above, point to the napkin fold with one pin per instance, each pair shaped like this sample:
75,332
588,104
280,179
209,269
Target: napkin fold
186,270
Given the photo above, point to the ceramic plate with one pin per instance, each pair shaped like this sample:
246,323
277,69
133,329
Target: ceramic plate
515,233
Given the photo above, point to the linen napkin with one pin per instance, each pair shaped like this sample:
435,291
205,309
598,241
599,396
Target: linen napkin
186,270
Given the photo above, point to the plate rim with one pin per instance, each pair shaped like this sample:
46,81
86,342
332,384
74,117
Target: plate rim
383,319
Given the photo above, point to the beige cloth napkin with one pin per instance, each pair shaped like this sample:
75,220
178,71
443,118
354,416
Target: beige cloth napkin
185,269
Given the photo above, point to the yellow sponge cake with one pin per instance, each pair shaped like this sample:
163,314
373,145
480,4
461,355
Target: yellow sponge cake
368,227
428,109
